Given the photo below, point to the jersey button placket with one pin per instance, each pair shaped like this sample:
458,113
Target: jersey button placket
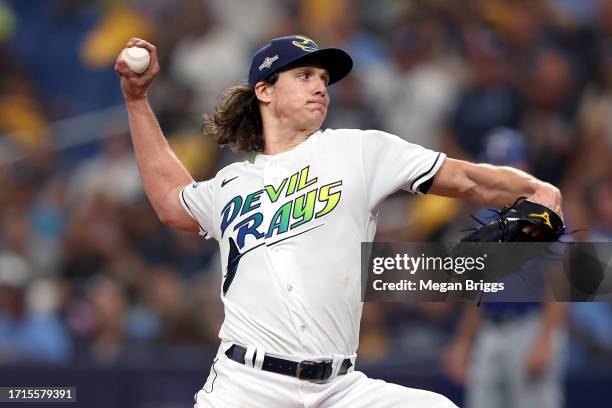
267,205
273,175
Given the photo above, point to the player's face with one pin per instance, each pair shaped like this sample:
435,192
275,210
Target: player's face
300,96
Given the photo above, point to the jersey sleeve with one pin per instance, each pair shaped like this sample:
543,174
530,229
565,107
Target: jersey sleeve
197,199
390,163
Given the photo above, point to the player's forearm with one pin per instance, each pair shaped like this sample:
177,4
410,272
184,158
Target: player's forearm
161,171
498,186
493,186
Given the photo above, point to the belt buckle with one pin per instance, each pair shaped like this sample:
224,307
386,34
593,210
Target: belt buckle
298,369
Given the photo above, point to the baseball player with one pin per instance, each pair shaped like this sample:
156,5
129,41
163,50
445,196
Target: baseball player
289,224
509,354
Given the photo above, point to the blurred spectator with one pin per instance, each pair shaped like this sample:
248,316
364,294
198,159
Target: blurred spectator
489,100
574,13
16,232
350,106
374,339
591,327
595,124
107,339
48,218
7,21
421,330
599,204
164,296
591,323
113,174
548,119
96,242
522,28
191,254
339,23
118,22
250,19
604,20
22,117
417,90
506,147
26,335
205,291
209,57
66,85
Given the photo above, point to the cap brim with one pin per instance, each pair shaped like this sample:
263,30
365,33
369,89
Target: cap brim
337,62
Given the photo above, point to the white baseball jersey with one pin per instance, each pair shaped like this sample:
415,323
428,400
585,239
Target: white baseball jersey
289,228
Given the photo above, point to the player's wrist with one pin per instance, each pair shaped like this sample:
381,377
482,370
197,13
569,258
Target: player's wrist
136,101
548,195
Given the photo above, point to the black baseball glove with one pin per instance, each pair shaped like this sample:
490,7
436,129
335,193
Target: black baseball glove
522,223
512,222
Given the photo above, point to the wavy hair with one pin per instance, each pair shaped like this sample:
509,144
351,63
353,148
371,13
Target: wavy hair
236,122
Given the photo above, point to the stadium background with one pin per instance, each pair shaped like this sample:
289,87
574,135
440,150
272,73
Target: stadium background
96,293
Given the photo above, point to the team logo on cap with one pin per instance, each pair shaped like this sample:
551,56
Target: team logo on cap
306,44
267,63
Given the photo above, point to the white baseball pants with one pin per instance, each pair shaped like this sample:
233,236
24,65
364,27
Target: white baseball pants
231,384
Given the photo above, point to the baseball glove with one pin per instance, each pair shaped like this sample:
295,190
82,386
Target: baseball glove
511,224
523,222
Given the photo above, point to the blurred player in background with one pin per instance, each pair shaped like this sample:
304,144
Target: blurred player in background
509,354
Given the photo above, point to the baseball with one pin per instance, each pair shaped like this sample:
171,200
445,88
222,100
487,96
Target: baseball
137,58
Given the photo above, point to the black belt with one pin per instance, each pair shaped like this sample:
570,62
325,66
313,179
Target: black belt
305,370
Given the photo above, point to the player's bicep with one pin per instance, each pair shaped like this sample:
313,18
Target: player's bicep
172,213
391,163
178,217
196,201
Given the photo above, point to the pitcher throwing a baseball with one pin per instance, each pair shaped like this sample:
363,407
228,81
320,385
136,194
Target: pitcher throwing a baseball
290,223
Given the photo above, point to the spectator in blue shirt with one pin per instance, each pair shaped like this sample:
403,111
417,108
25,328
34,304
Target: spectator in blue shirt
26,335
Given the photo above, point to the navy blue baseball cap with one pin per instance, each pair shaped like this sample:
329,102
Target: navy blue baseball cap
281,52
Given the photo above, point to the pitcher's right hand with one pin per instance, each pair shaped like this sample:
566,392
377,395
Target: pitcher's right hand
134,86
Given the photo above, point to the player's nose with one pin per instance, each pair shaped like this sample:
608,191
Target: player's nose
320,88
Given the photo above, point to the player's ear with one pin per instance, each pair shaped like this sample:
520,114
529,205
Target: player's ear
264,91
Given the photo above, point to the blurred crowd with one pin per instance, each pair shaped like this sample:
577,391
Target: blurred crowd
88,273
